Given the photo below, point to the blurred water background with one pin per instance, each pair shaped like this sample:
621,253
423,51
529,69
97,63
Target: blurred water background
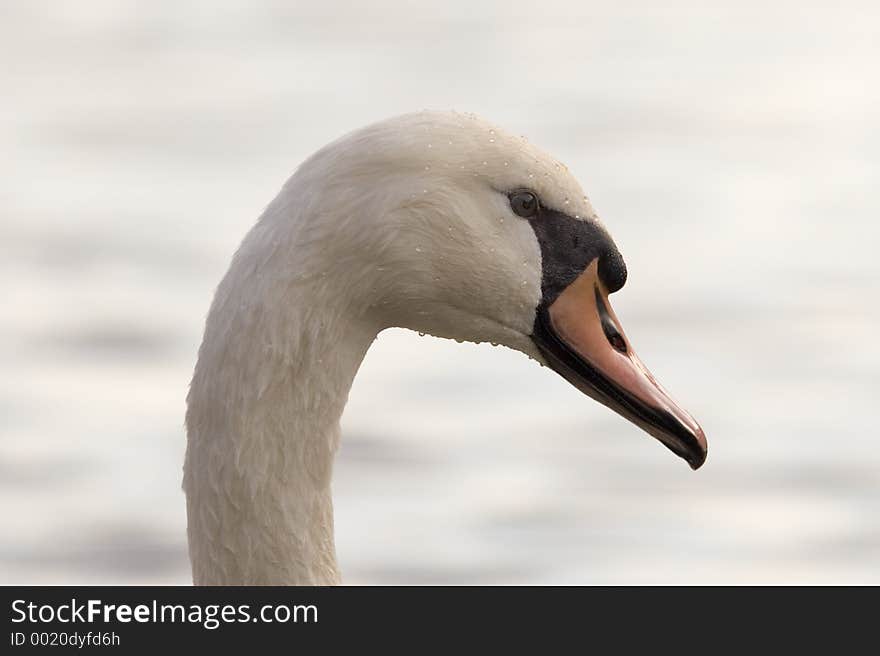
733,150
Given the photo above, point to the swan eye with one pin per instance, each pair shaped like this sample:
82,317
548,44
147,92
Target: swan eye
524,203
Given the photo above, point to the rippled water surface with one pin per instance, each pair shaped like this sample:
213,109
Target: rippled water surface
734,153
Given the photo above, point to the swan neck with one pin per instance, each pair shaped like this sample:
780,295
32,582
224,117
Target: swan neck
270,385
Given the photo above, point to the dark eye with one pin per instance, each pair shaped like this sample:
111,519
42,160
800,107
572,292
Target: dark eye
524,203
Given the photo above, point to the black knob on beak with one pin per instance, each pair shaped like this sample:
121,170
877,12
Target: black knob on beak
612,270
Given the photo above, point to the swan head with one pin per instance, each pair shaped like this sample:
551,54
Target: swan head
443,223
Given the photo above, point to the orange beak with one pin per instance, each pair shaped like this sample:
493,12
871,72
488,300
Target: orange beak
581,338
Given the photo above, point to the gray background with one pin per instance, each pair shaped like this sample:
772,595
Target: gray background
733,150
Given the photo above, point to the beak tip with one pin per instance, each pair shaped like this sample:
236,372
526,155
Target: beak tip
698,455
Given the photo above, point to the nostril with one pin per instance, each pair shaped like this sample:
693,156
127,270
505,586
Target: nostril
609,327
617,342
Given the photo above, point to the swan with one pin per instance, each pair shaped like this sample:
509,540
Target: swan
435,221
